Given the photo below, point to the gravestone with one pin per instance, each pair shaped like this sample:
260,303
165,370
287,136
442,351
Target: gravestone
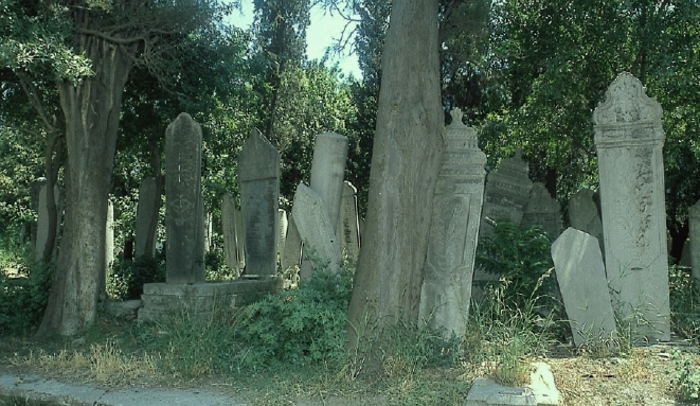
328,172
543,210
506,192
315,229
259,180
580,271
454,231
694,246
629,138
349,227
233,237
584,215
282,234
34,191
291,256
147,219
208,230
42,223
184,214
109,252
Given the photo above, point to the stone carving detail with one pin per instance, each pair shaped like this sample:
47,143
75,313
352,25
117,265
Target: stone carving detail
629,140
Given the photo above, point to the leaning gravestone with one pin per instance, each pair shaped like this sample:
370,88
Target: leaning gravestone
694,246
454,231
506,192
259,180
315,228
543,210
629,138
580,271
233,238
147,219
291,255
328,172
584,215
349,225
184,214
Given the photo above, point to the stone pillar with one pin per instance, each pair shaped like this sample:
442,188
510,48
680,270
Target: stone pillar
259,181
629,138
348,223
183,205
454,231
109,251
543,210
282,235
694,222
328,172
146,219
233,238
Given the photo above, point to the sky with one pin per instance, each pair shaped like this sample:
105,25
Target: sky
324,31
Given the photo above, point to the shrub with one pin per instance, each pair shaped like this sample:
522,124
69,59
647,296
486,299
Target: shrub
686,379
128,277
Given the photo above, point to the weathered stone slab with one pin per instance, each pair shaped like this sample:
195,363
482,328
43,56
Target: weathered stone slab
584,215
315,228
629,139
233,238
506,192
543,210
147,219
578,263
259,180
540,392
454,231
184,214
328,172
291,256
349,227
694,246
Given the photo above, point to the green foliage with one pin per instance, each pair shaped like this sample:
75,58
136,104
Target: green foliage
23,297
520,257
128,277
686,378
685,303
299,327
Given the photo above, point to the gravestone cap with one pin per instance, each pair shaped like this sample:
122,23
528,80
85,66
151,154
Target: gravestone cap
258,159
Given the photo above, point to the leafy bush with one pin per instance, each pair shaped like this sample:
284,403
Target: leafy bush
687,377
22,299
128,277
685,303
520,257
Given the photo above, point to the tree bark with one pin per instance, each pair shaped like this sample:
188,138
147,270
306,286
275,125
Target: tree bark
91,109
408,153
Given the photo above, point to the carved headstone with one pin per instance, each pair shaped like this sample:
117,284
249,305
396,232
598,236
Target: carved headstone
184,214
578,263
328,172
233,238
694,246
584,215
629,138
454,231
147,219
506,192
349,227
315,229
543,210
259,179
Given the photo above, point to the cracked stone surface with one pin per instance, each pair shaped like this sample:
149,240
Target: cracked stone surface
540,392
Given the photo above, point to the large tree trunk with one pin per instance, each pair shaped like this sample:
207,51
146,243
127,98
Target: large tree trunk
91,109
408,153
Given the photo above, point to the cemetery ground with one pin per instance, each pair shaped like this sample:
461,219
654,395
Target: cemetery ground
288,350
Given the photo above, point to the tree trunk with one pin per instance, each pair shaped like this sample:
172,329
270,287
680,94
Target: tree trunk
91,109
408,153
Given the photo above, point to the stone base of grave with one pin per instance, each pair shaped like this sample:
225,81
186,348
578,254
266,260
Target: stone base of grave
540,392
161,300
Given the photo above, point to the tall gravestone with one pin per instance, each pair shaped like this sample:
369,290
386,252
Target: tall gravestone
259,180
543,210
233,238
146,219
291,255
282,234
454,231
184,214
584,215
109,251
328,172
578,263
694,246
349,225
629,138
506,192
